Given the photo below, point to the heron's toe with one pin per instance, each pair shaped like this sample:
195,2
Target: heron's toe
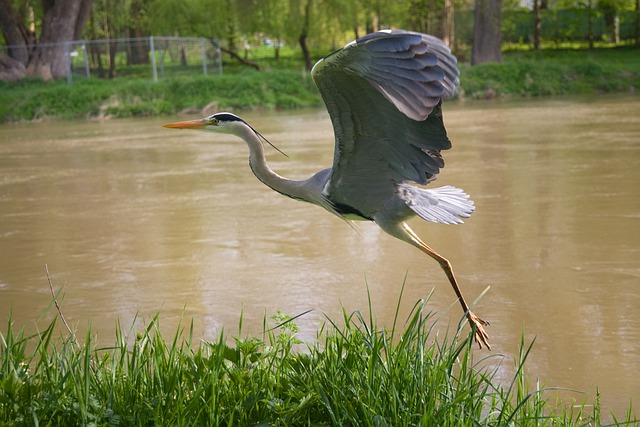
480,335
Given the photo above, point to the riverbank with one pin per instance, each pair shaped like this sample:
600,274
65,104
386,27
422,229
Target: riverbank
356,374
522,74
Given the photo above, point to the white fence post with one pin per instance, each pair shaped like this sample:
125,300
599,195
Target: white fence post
153,59
86,60
219,56
204,57
67,55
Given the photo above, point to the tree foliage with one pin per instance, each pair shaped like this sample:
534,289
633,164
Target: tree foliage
240,24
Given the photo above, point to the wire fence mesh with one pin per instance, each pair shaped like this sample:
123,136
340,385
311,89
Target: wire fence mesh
152,57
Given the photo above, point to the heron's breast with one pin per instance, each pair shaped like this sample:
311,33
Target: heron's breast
355,217
349,212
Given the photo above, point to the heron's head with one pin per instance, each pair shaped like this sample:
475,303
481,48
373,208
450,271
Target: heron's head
219,122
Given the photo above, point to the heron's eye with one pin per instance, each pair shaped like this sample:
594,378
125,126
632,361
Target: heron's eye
212,121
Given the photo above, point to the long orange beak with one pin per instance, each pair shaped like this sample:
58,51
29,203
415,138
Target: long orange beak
188,124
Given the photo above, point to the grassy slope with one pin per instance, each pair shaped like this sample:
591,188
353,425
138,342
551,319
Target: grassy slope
356,374
523,73
30,100
555,72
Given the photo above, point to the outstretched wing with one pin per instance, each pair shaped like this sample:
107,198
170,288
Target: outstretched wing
383,94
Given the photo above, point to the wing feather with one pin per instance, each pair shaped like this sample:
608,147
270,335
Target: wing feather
383,94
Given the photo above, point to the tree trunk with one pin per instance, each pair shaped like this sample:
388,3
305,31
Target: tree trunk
303,36
537,24
612,24
638,23
137,50
15,34
58,26
590,37
63,21
448,25
305,51
113,50
276,48
81,20
487,32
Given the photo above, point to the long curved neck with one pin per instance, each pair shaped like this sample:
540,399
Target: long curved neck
263,172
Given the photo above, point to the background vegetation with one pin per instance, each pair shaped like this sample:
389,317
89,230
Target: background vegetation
283,84
282,39
330,23
306,25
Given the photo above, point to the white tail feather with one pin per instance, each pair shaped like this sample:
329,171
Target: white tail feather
447,204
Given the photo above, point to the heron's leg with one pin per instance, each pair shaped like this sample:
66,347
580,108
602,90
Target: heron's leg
408,235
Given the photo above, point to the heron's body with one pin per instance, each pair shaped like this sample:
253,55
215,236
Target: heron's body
383,93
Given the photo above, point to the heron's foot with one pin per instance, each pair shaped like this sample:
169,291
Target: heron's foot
480,336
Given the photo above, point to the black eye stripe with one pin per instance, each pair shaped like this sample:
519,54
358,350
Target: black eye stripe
226,117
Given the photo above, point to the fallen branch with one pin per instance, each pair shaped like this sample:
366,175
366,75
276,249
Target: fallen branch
235,55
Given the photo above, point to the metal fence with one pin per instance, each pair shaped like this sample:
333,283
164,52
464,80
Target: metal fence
152,57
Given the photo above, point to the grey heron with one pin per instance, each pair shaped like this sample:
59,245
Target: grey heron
384,94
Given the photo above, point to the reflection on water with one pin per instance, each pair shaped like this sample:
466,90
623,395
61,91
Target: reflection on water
132,218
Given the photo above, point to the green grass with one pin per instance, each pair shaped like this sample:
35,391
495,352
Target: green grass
29,100
283,85
353,374
554,72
